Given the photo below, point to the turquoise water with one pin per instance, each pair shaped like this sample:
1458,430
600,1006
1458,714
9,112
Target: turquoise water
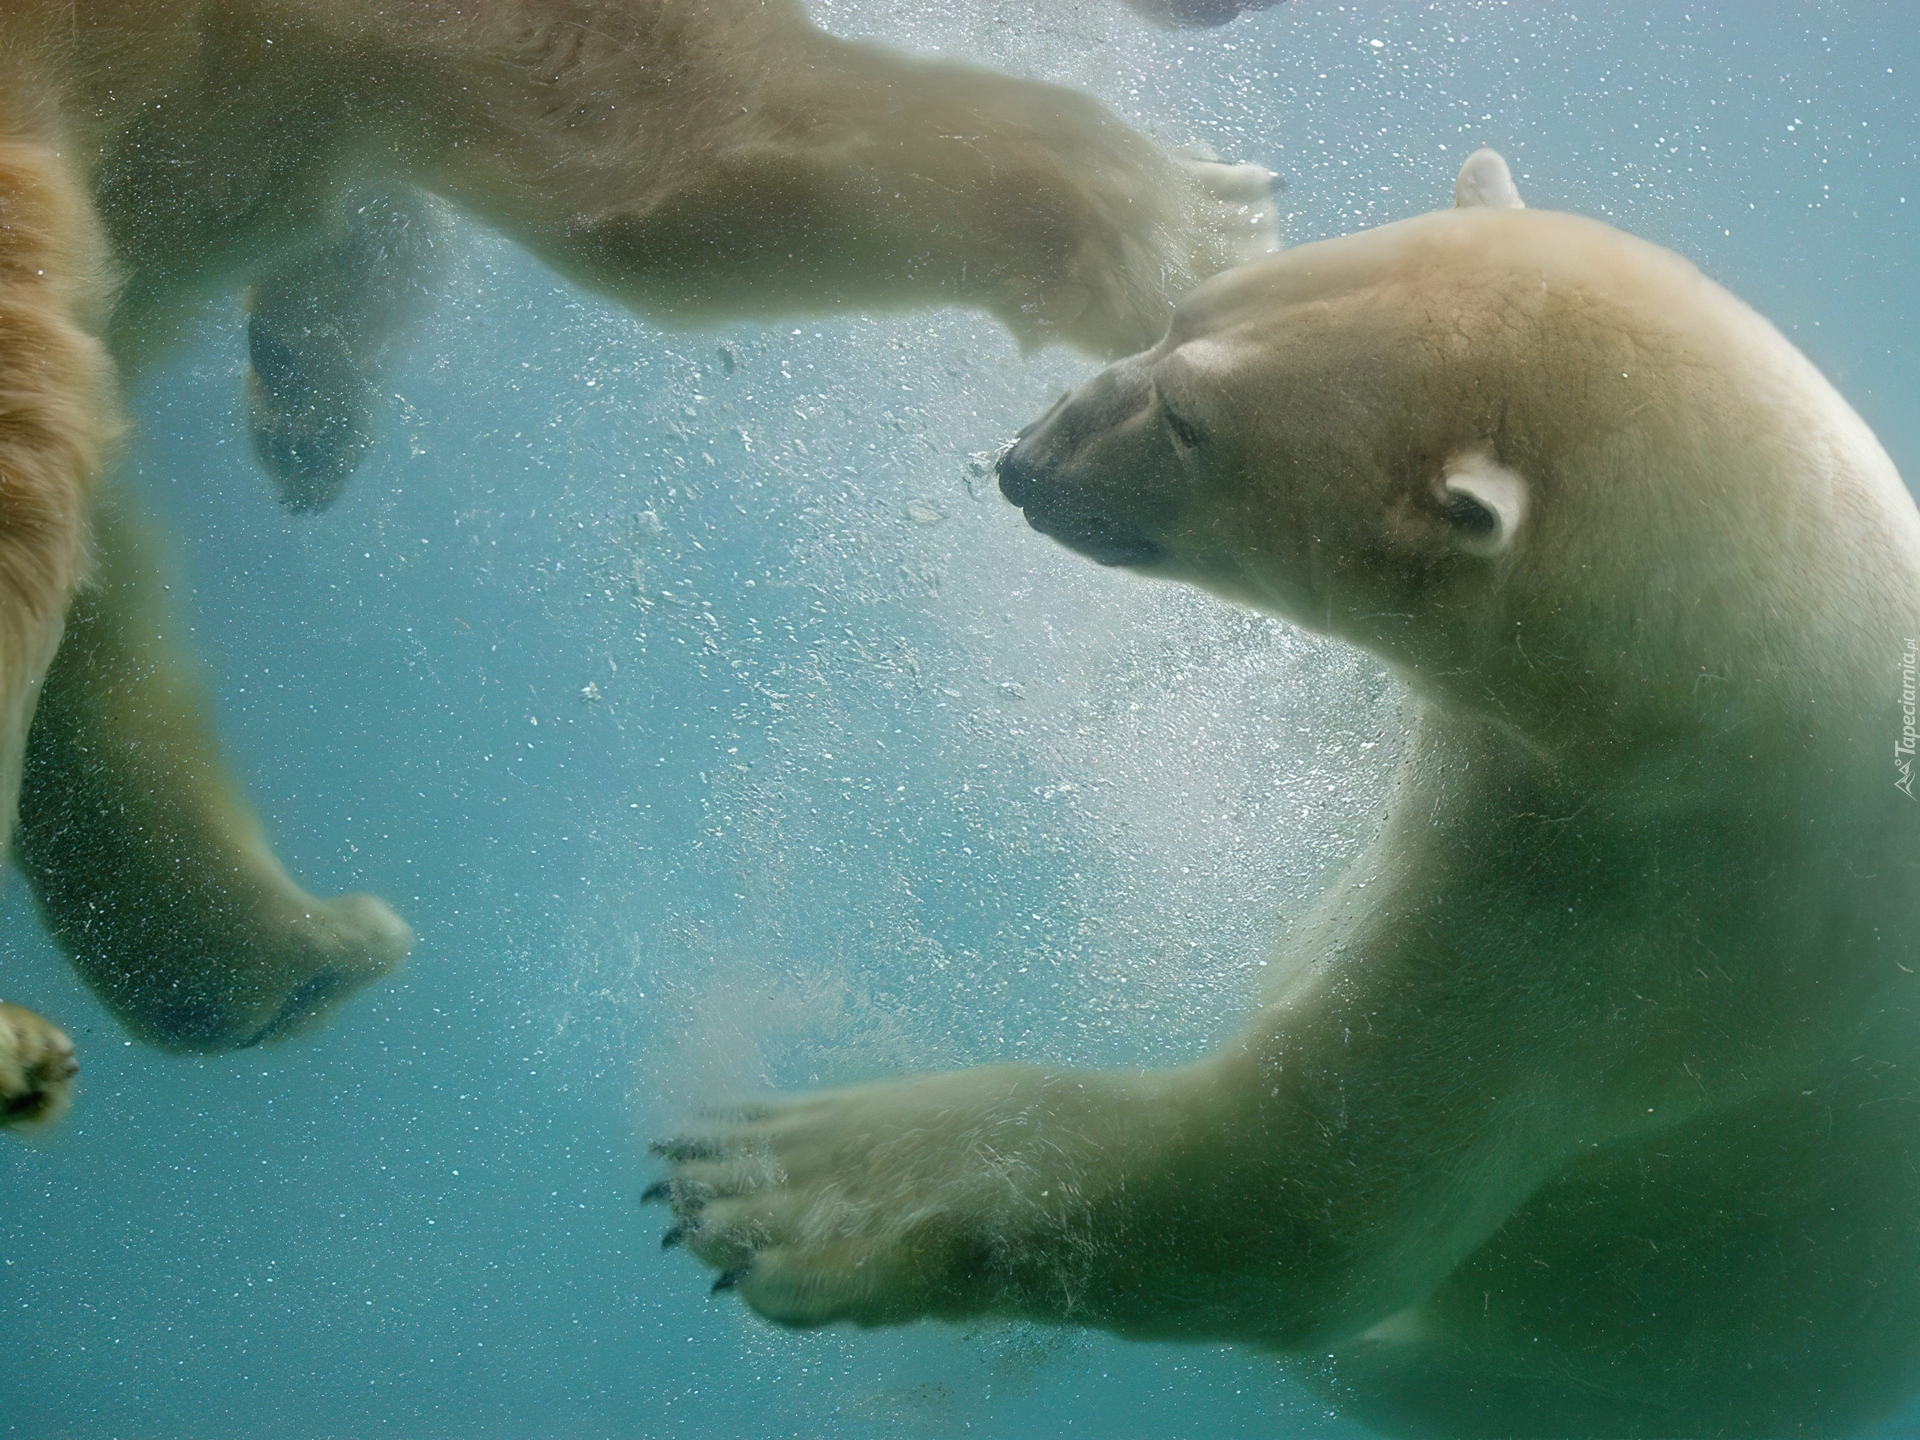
869,777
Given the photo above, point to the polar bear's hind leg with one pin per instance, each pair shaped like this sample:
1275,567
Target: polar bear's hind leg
152,872
57,418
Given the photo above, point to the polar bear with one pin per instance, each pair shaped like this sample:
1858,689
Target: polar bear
692,158
1588,1102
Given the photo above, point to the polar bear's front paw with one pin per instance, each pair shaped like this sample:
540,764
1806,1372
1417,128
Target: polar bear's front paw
1172,225
877,1204
36,1070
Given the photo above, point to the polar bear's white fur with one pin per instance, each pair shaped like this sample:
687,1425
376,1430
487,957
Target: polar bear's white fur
1589,1101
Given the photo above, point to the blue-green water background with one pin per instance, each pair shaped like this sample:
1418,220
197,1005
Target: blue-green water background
875,779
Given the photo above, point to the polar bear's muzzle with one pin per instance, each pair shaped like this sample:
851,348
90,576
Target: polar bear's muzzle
1061,474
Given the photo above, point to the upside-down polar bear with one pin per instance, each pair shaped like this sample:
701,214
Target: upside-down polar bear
693,158
1589,1102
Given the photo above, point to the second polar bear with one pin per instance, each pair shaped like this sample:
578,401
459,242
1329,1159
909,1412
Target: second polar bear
1587,1101
692,158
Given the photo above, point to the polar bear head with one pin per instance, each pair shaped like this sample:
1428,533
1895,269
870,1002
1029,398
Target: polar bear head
1523,456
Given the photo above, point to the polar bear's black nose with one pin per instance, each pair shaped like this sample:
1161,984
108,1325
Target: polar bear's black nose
1059,473
1018,466
1019,478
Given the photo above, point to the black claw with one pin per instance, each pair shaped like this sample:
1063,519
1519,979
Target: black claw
673,1237
658,1190
730,1278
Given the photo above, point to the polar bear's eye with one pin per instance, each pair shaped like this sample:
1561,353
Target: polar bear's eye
1184,430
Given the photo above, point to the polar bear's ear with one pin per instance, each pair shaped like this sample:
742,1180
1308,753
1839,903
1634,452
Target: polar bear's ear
1485,502
1485,180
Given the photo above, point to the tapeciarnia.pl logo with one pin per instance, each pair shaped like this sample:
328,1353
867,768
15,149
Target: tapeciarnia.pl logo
1903,747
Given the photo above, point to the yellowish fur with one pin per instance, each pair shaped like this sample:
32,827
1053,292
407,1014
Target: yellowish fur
58,419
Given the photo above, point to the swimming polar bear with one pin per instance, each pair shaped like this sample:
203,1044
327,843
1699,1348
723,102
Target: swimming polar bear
1588,1103
692,158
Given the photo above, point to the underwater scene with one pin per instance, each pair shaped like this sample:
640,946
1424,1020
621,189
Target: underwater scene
690,687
